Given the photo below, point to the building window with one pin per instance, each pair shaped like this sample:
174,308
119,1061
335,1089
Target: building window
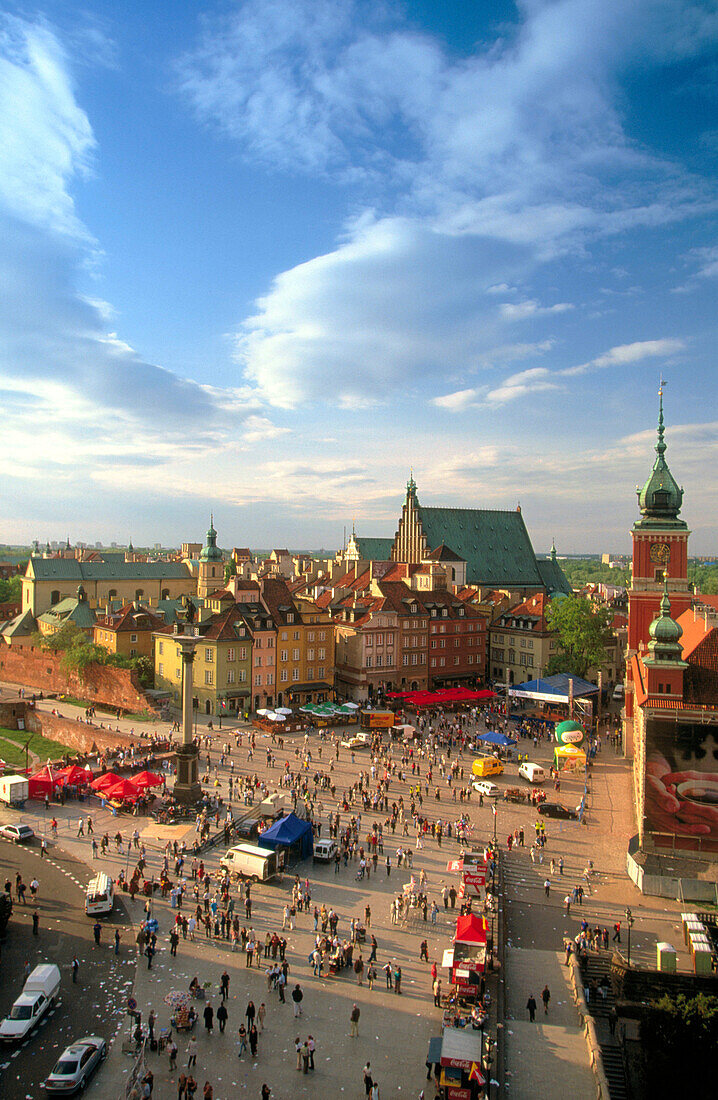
161,647
470,659
369,660
283,655
243,653
380,639
208,677
257,642
310,636
230,676
379,660
284,635
442,662
295,636
322,654
320,672
178,674
258,660
230,653
405,659
133,637
133,653
310,673
414,660
270,643
258,680
161,669
270,679
322,635
456,661
457,642
433,643
284,676
310,654
369,641
295,654
295,674
290,617
433,662
208,656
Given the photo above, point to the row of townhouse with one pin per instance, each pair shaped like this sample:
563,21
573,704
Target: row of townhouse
400,628
258,646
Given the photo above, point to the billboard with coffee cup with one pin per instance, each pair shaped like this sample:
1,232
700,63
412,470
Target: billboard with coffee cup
681,783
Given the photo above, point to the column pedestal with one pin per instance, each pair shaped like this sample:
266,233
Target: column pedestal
187,787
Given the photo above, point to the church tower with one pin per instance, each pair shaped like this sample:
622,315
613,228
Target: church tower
659,563
409,539
211,565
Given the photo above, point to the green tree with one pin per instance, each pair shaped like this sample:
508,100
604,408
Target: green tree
679,1037
11,590
582,632
230,570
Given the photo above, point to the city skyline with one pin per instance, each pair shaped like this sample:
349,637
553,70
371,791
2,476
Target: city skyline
264,257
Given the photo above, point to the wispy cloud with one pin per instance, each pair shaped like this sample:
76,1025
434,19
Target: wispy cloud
625,354
492,163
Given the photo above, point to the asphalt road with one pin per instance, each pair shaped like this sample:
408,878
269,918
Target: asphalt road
96,1004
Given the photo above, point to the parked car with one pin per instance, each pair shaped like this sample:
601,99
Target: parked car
76,1065
486,788
555,809
38,995
21,834
325,850
356,743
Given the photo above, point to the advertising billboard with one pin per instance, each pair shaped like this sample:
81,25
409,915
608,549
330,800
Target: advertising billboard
681,783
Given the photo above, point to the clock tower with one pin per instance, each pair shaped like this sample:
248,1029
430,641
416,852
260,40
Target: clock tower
660,556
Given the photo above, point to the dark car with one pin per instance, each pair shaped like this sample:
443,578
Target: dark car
555,809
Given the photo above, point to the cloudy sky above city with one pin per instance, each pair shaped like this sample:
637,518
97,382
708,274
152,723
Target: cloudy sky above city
263,257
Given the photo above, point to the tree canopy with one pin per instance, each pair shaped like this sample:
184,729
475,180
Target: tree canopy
582,634
79,651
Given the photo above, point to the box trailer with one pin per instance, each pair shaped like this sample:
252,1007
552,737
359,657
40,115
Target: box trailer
14,790
251,861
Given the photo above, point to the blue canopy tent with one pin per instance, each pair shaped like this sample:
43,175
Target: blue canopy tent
293,835
553,689
496,738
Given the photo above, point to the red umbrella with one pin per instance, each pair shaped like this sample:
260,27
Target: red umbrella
124,790
104,781
147,779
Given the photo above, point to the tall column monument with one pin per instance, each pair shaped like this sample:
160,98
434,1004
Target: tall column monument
187,787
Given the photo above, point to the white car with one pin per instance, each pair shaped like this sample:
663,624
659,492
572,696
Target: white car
486,788
19,833
354,743
76,1064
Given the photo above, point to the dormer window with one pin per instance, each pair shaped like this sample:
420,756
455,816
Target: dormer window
444,612
290,617
414,609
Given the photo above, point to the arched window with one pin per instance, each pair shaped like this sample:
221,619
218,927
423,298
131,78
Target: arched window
55,596
165,593
213,571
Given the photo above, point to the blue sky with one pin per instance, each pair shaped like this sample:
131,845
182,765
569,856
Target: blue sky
262,257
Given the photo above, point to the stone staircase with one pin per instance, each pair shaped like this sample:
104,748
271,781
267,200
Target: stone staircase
598,967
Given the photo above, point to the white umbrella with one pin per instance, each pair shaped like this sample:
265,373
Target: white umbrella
283,710
354,706
265,713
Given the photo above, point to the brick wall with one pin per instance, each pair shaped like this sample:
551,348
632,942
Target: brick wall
76,735
40,670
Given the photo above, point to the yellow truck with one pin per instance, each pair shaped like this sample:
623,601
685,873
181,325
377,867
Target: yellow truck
486,765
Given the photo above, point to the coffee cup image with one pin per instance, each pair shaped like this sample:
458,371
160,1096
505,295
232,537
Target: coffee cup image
701,792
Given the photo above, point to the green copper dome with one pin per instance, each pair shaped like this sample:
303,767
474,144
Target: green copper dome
660,498
665,632
210,551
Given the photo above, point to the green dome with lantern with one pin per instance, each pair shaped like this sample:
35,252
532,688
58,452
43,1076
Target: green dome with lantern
660,499
665,632
210,550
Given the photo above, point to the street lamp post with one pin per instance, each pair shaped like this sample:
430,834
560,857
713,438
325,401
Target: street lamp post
629,923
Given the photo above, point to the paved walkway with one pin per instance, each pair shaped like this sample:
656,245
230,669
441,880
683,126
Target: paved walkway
553,1049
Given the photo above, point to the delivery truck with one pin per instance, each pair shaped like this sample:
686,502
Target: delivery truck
39,995
14,789
252,862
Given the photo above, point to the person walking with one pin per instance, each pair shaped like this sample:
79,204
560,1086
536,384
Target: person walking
297,998
117,941
312,1047
250,1013
209,1018
354,1021
191,1053
437,992
97,932
172,1051
222,1017
547,886
253,1036
546,997
242,1033
75,969
531,1006
266,1093
261,1014
397,980
305,1056
224,985
35,923
567,904
368,1078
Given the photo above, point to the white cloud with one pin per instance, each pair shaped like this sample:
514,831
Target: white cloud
457,402
625,354
522,384
521,144
522,311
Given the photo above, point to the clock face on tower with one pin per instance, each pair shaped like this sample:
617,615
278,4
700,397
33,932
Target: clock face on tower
660,553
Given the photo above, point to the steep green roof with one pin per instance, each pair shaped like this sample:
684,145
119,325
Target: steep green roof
70,610
374,549
495,545
660,498
553,577
68,569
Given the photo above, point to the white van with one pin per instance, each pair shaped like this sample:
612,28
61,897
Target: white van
251,861
618,693
39,993
534,773
100,897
